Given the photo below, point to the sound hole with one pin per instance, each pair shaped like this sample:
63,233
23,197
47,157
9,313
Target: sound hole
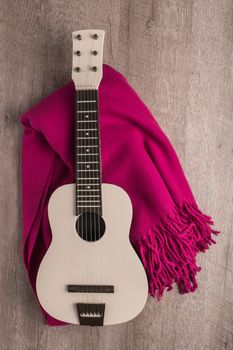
90,226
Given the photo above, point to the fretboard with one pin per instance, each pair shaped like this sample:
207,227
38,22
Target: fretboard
88,165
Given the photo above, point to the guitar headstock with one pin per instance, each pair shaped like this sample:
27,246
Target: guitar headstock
87,66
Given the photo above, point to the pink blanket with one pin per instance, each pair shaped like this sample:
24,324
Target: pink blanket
167,229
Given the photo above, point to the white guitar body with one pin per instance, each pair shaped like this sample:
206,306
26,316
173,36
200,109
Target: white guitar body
111,260
90,274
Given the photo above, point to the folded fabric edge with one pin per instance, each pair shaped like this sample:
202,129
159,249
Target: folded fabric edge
168,251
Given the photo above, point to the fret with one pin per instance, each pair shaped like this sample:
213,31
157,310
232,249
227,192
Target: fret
86,145
83,169
87,121
87,162
85,189
87,150
81,146
87,138
92,187
87,170
88,178
93,111
88,206
88,185
86,101
87,129
83,152
88,190
80,178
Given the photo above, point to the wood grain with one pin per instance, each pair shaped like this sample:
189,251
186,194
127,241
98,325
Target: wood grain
178,57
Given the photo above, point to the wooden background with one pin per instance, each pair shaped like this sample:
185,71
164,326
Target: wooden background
177,54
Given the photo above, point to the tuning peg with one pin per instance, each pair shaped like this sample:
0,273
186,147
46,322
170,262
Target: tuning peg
78,53
94,53
95,36
79,36
94,68
78,69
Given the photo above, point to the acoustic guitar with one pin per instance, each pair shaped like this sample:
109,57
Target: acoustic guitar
90,274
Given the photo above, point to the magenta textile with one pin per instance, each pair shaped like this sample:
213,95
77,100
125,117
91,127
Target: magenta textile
167,230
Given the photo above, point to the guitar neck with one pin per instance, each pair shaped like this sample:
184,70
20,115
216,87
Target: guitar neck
87,153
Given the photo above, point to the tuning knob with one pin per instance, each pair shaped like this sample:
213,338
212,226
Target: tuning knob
94,68
78,53
95,36
79,36
94,53
78,69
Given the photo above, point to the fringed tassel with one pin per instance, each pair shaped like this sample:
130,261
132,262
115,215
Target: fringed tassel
168,251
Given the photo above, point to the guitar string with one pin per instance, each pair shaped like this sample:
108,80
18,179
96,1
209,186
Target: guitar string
96,167
76,161
92,199
87,199
88,141
84,181
83,188
78,153
91,167
99,183
86,174
99,166
94,164
93,181
87,180
94,217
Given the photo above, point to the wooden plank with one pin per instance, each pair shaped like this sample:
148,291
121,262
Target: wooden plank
18,80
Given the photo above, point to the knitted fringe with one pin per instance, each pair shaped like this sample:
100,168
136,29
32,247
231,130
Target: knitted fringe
168,251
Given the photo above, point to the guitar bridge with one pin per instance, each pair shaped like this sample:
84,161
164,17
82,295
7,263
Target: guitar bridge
82,288
91,314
